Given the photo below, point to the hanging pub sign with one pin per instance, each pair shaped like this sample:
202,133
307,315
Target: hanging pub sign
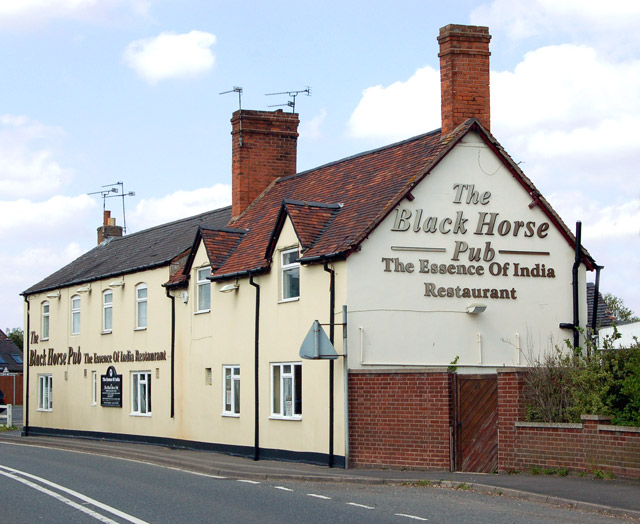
111,389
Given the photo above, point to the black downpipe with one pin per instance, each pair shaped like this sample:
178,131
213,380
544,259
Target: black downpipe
256,444
594,313
332,306
173,351
26,335
576,266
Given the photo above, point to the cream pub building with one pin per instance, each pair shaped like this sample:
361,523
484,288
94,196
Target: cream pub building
430,265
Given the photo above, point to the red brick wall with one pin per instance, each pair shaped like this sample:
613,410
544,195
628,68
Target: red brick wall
592,445
464,75
399,419
264,148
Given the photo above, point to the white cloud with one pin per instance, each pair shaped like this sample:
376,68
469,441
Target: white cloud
171,55
154,211
310,129
28,167
526,18
400,110
30,11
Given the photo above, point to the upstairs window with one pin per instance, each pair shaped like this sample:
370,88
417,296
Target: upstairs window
290,265
231,403
107,311
75,315
141,306
204,289
44,333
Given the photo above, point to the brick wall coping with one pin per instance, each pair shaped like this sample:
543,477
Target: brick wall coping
603,418
388,371
558,425
626,429
511,370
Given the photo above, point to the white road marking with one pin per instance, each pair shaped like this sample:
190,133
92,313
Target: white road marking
12,474
359,505
409,516
195,473
283,488
249,481
318,496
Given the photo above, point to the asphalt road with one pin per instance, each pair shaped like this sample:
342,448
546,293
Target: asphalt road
53,486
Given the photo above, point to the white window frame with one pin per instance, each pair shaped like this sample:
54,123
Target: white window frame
141,389
45,392
231,397
285,269
142,303
279,407
107,311
76,313
94,388
202,283
46,324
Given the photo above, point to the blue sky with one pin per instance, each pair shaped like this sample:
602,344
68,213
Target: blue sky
99,91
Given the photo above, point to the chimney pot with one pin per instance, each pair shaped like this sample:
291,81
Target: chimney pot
108,228
464,75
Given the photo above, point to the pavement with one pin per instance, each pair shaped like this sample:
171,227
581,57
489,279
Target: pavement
616,497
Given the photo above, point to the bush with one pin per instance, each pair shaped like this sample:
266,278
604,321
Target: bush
567,384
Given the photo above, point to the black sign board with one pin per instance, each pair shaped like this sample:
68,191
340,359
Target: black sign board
111,389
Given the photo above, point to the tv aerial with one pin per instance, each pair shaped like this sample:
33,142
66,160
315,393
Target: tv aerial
235,89
292,94
114,190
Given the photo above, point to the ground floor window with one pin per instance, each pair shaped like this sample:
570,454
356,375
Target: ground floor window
231,401
45,392
141,393
286,390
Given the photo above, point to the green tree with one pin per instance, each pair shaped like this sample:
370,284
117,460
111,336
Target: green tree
621,312
16,336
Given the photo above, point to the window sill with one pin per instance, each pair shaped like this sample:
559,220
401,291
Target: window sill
285,300
202,312
106,332
140,414
230,415
45,410
43,339
140,329
279,417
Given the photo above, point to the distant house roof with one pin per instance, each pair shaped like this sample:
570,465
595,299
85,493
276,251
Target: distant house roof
333,208
604,316
148,249
10,355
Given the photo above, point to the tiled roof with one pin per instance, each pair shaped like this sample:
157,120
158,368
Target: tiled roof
154,247
336,206
604,316
310,220
8,354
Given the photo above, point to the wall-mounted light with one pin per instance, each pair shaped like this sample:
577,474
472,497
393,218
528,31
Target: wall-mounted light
55,294
228,288
185,296
476,309
116,283
84,289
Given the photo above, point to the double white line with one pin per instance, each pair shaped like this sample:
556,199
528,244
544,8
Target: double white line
22,476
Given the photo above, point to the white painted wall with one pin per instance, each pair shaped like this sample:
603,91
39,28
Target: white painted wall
397,318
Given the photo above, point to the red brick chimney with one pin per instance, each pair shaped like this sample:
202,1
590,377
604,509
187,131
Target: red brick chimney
264,148
108,229
464,75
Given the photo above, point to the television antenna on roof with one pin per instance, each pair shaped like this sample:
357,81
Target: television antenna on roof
235,89
118,189
292,94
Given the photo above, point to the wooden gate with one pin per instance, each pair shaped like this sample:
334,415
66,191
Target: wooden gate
476,423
